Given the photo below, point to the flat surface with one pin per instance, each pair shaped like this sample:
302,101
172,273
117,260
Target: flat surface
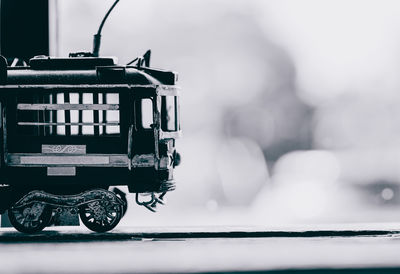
353,248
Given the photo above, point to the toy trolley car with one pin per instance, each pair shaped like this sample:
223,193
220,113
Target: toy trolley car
70,128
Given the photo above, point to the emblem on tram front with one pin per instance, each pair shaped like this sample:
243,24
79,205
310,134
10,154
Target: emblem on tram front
68,149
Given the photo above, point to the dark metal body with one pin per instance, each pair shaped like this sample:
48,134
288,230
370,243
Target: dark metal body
36,156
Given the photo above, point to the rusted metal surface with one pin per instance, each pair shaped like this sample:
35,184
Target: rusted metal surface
145,160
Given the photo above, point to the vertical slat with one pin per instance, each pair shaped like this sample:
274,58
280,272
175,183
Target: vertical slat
80,114
37,115
50,115
53,113
104,112
177,118
96,114
43,114
67,115
1,137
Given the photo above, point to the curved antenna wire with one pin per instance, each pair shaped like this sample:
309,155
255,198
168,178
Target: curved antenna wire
106,16
97,36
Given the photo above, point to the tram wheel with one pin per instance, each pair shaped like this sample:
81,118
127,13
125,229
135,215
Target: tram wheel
100,216
31,218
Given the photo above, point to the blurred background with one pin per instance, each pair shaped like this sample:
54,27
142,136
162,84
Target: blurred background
290,109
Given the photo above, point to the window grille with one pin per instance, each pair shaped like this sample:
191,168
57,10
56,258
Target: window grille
69,114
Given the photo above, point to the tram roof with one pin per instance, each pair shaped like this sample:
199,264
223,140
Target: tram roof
83,71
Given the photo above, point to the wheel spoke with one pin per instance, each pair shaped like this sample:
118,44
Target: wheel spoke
31,218
100,216
111,214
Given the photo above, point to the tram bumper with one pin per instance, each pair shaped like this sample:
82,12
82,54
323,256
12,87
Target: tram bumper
142,173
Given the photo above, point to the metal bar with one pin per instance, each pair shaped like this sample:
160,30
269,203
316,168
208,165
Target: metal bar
4,125
177,118
46,115
45,160
66,124
53,115
1,137
104,95
80,132
37,117
67,116
65,160
96,114
110,87
67,107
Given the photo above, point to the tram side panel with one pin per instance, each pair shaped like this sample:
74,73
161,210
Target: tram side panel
149,164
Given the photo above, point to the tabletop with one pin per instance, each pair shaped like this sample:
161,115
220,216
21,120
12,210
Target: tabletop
349,248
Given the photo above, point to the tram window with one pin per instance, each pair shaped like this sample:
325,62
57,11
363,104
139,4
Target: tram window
68,114
168,113
147,113
60,114
112,116
87,115
74,99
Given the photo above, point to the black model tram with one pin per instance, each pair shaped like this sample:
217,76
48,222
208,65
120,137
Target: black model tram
73,127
